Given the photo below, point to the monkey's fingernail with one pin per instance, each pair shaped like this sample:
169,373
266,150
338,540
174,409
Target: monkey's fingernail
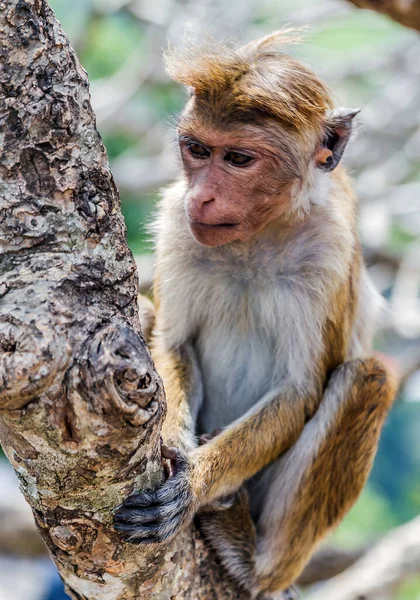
170,453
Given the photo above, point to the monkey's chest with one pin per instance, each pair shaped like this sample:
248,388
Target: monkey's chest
237,369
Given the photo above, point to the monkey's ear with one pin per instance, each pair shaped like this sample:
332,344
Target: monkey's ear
337,134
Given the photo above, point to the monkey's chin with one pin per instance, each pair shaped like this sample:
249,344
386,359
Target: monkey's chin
214,235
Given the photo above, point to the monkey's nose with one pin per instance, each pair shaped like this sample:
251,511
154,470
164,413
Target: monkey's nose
200,207
205,201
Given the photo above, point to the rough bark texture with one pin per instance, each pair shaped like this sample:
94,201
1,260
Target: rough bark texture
406,12
80,402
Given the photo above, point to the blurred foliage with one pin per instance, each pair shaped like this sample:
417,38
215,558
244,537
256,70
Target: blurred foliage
105,39
409,589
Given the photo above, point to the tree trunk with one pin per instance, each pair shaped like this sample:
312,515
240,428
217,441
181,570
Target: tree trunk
80,402
406,12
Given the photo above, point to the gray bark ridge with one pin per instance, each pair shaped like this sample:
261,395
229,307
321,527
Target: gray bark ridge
81,404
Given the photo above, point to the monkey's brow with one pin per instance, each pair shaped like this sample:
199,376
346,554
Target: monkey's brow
190,138
267,149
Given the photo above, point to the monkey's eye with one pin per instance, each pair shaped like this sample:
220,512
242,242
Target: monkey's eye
238,159
197,150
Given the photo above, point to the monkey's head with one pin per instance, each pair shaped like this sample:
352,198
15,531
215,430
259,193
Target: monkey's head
257,137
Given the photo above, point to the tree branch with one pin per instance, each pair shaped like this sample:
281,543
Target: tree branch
407,12
80,401
329,562
389,562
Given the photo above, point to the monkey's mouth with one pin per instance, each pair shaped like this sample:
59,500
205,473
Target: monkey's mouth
214,234
213,226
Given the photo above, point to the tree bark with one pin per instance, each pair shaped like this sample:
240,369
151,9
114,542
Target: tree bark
81,404
406,12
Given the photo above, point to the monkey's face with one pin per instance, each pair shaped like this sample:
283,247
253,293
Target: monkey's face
238,181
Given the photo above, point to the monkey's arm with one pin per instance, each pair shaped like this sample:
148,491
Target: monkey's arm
215,469
249,444
178,373
177,369
147,316
181,378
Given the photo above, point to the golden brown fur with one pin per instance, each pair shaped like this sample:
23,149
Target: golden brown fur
263,320
238,83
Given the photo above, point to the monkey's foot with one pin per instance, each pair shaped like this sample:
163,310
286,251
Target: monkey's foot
223,503
205,438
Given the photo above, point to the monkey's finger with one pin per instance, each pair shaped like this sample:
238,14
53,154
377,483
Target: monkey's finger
177,486
131,537
148,515
140,531
129,528
145,515
146,541
170,452
169,492
175,460
165,492
134,535
141,499
172,489
168,468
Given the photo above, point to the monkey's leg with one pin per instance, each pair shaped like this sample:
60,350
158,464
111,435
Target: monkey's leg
228,526
231,533
317,481
309,488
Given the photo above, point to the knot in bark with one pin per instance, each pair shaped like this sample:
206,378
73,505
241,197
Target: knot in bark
96,196
35,169
117,375
25,225
30,358
66,537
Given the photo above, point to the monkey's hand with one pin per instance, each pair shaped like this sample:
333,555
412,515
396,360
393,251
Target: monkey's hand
156,516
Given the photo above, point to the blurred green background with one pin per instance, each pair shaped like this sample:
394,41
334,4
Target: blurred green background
370,62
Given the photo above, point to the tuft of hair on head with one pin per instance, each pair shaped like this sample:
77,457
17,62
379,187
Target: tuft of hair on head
276,40
231,82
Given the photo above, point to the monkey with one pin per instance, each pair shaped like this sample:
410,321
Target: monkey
147,316
264,319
